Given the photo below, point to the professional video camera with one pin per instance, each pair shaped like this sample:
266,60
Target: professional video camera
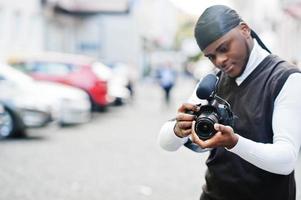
217,110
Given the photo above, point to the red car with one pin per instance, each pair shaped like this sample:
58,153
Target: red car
69,69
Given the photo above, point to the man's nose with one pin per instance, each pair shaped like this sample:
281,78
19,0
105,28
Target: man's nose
221,60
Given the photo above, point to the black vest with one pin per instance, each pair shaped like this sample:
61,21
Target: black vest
228,176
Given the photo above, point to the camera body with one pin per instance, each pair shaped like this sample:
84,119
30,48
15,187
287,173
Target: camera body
216,111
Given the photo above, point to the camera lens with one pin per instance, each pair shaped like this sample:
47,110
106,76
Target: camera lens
204,126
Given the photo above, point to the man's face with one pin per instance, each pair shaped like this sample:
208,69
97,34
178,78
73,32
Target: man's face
230,53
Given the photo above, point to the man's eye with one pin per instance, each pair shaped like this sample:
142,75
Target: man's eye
223,49
211,57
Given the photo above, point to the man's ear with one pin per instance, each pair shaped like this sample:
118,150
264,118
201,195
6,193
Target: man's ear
245,29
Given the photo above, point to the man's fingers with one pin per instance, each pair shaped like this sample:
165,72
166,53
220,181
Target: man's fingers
187,106
185,124
209,143
219,139
214,141
198,141
222,128
186,132
195,138
184,117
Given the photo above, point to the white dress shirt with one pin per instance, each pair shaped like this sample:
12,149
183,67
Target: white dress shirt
279,157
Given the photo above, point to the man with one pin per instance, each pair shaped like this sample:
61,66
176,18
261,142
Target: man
167,78
255,158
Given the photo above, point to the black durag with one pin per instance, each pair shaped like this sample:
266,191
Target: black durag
215,22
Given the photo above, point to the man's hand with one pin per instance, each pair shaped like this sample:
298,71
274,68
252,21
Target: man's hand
225,137
184,119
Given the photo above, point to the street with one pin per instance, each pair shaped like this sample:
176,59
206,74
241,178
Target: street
114,157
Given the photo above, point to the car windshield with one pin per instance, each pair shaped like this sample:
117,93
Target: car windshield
14,75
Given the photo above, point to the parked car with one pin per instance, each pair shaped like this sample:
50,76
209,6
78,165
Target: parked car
21,110
37,103
73,70
73,104
118,84
125,75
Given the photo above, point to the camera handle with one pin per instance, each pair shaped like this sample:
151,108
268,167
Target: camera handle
194,147
222,100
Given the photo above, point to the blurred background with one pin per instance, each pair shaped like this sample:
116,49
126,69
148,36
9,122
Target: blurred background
85,86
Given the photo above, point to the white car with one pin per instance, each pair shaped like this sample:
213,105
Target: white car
65,104
118,82
23,106
72,104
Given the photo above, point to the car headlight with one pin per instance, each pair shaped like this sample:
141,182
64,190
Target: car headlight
33,118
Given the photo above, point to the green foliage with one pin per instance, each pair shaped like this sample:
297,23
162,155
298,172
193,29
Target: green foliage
186,30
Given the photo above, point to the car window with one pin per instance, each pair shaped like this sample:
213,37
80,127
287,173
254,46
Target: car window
20,66
74,68
9,74
56,69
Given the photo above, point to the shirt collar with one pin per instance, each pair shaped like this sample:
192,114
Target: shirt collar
257,55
